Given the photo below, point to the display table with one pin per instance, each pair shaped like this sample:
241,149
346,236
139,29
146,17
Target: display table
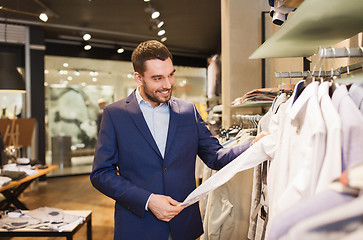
12,190
68,232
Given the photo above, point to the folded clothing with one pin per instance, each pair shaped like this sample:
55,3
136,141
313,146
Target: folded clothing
43,218
14,175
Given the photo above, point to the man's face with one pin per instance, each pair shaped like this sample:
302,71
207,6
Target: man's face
157,82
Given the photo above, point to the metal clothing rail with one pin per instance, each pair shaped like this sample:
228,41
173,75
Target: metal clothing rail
340,52
305,74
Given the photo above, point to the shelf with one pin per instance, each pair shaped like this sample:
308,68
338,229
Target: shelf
315,23
253,104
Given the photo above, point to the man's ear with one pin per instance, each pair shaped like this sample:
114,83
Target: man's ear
138,78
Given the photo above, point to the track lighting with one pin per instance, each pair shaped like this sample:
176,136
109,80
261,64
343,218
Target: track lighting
155,14
159,23
161,32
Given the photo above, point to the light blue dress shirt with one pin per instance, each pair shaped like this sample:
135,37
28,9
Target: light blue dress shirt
157,119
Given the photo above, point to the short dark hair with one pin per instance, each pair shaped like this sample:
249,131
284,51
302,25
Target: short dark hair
148,50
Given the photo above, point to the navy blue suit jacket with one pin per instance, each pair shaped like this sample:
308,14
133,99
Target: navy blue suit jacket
128,167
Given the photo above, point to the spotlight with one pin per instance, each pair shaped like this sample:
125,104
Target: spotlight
43,17
155,14
87,47
87,37
120,50
161,32
159,23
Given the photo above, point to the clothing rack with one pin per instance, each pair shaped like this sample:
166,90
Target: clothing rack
305,74
340,52
251,121
328,53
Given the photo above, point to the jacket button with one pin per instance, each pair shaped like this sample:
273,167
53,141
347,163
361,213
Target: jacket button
164,169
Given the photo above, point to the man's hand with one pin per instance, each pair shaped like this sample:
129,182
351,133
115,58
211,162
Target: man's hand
259,136
164,207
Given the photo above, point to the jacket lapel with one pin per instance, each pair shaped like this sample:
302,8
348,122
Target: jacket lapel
173,123
136,115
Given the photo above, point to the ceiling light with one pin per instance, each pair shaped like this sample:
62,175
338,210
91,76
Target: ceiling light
46,71
146,0
94,79
155,14
159,23
77,73
69,78
65,65
120,50
83,84
43,17
93,73
164,39
87,36
161,32
87,47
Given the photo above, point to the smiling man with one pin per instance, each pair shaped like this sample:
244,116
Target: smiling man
146,151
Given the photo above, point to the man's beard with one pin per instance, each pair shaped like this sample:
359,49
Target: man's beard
157,99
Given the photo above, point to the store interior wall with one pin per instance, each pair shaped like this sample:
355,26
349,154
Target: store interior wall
241,35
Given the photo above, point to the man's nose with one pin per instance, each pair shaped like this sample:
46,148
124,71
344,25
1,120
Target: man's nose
167,83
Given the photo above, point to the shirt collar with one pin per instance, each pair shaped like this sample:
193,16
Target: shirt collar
310,91
140,99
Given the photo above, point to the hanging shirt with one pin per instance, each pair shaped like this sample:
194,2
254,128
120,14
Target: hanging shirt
293,172
356,93
332,163
352,127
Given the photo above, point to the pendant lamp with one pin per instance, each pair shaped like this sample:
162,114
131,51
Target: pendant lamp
10,78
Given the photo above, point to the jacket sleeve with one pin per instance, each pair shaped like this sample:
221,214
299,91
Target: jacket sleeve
105,176
213,154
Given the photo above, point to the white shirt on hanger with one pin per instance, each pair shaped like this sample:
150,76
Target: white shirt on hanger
295,168
332,163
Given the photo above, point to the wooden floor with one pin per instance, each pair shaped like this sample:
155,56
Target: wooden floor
73,193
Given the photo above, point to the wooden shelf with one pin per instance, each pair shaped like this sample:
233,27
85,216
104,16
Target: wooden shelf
315,23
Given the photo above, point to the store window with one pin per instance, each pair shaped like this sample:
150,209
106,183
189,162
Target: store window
73,88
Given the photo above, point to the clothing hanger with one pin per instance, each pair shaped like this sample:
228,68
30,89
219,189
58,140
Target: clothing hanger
333,85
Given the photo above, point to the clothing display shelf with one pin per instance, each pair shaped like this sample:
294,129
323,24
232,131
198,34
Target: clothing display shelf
253,104
315,23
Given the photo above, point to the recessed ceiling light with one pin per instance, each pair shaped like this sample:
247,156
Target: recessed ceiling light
87,47
65,65
120,50
87,37
43,17
164,39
